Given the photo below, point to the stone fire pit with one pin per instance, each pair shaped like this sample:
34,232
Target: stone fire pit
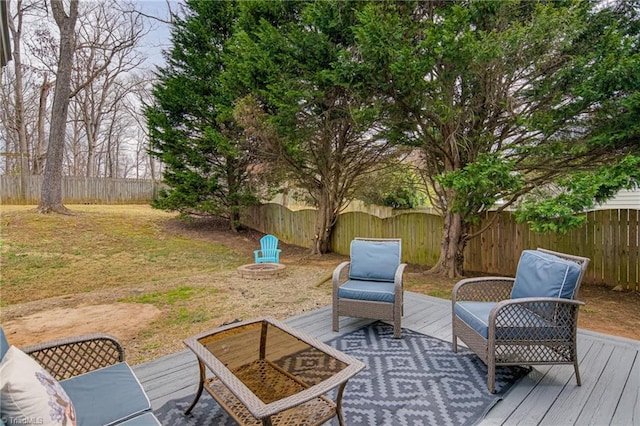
261,271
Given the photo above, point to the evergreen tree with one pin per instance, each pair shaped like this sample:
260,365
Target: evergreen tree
309,104
191,126
504,98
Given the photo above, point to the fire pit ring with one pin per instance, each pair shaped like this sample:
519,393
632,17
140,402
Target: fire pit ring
261,271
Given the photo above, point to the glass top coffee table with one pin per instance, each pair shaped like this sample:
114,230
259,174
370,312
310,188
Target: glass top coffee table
267,373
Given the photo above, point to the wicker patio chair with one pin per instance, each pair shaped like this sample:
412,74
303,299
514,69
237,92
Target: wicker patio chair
100,387
527,320
70,357
370,284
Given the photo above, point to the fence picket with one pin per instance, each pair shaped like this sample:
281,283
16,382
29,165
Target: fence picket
610,238
607,238
81,190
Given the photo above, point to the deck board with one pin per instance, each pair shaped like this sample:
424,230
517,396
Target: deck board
600,406
558,381
609,366
628,409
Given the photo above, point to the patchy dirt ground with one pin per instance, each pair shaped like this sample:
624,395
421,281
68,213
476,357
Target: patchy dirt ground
610,312
124,320
304,287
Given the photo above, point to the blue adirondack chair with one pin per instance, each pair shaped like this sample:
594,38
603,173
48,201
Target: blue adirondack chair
269,251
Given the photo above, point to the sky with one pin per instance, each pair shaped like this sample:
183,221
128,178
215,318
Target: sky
159,38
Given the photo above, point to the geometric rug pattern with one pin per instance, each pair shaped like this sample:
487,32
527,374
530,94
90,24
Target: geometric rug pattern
413,381
417,380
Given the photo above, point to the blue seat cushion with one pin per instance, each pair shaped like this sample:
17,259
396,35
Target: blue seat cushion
376,291
542,274
524,324
107,396
475,315
374,260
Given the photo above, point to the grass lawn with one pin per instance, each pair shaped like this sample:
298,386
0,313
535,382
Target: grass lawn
99,247
152,279
56,267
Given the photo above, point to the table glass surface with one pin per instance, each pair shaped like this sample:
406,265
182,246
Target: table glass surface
258,353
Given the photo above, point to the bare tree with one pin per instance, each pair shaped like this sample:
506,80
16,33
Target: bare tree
103,50
23,87
40,151
8,143
15,26
19,122
75,145
168,20
51,195
101,117
106,41
147,167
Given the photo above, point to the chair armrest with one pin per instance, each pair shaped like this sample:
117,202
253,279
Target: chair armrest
340,275
65,358
536,312
399,273
398,283
482,289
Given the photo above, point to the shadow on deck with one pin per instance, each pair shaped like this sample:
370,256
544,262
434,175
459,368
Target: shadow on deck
609,366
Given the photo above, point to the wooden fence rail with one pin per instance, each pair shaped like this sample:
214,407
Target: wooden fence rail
80,190
610,238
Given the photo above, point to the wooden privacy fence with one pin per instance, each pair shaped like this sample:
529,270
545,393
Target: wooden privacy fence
610,238
80,190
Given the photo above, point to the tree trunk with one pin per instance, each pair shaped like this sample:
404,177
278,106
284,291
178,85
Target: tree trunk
51,195
325,220
90,128
20,122
234,218
40,152
454,241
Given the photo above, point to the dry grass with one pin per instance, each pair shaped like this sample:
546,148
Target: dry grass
109,255
115,254
98,248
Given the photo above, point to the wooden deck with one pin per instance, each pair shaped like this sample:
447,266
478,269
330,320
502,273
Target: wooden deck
609,366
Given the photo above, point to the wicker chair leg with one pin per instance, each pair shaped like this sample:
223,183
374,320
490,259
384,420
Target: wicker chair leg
454,338
397,330
491,376
575,366
336,325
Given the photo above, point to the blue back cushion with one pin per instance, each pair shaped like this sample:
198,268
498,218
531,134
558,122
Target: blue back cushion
4,345
542,274
374,260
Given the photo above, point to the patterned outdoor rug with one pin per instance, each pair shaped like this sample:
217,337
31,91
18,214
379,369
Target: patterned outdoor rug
416,380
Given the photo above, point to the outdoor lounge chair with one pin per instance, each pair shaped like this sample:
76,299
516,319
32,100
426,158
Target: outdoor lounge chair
269,251
91,369
370,285
527,320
